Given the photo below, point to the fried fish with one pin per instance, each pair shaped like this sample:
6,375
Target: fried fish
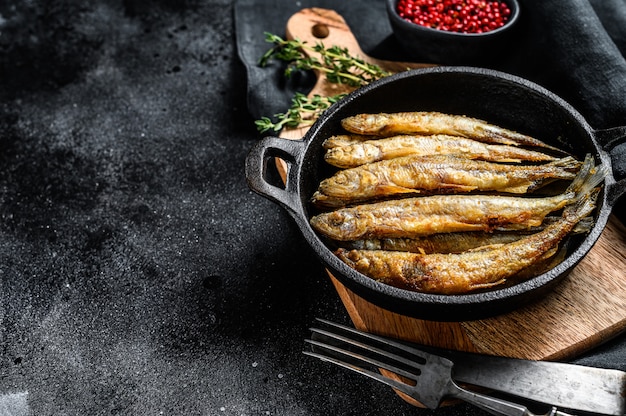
347,151
430,122
471,270
443,174
419,216
457,242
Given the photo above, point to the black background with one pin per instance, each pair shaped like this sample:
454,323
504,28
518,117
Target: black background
138,273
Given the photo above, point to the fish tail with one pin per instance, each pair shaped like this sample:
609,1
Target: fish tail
589,176
583,226
583,207
566,163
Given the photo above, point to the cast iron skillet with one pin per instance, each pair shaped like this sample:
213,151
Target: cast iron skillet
499,98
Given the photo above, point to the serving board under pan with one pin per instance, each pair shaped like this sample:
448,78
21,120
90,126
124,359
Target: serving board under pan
586,309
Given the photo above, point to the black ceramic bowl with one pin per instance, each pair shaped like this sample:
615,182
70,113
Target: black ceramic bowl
425,44
499,98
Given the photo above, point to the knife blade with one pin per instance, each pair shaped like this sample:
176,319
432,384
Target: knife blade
571,386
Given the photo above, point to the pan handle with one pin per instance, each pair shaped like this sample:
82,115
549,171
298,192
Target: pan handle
613,141
290,151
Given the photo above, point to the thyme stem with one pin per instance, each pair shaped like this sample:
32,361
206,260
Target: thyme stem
336,63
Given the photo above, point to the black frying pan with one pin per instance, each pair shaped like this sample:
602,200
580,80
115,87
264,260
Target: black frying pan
499,98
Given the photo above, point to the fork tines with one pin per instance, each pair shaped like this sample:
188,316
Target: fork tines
422,376
345,346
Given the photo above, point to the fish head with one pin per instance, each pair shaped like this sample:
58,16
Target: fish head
340,225
348,182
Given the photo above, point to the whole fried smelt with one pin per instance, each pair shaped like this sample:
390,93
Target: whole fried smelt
469,271
424,122
414,217
442,174
348,152
457,242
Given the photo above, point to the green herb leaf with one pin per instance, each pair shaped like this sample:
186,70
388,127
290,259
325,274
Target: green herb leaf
338,66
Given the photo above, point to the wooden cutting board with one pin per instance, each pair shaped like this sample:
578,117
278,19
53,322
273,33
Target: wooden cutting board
317,25
587,309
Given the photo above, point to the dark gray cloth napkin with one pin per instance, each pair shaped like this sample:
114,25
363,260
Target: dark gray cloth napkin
575,48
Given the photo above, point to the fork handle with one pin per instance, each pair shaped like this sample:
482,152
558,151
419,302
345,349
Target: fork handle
498,406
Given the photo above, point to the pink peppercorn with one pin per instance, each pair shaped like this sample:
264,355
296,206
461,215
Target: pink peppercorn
463,16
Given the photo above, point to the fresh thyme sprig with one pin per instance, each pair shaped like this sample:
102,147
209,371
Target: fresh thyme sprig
303,111
336,63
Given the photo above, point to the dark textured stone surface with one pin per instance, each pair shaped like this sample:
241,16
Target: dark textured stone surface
138,273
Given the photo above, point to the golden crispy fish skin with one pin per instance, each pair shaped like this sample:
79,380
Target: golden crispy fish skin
457,242
349,152
431,122
436,173
465,272
419,216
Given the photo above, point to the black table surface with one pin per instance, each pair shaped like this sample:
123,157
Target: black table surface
138,273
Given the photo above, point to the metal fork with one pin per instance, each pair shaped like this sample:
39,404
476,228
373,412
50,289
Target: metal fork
430,375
